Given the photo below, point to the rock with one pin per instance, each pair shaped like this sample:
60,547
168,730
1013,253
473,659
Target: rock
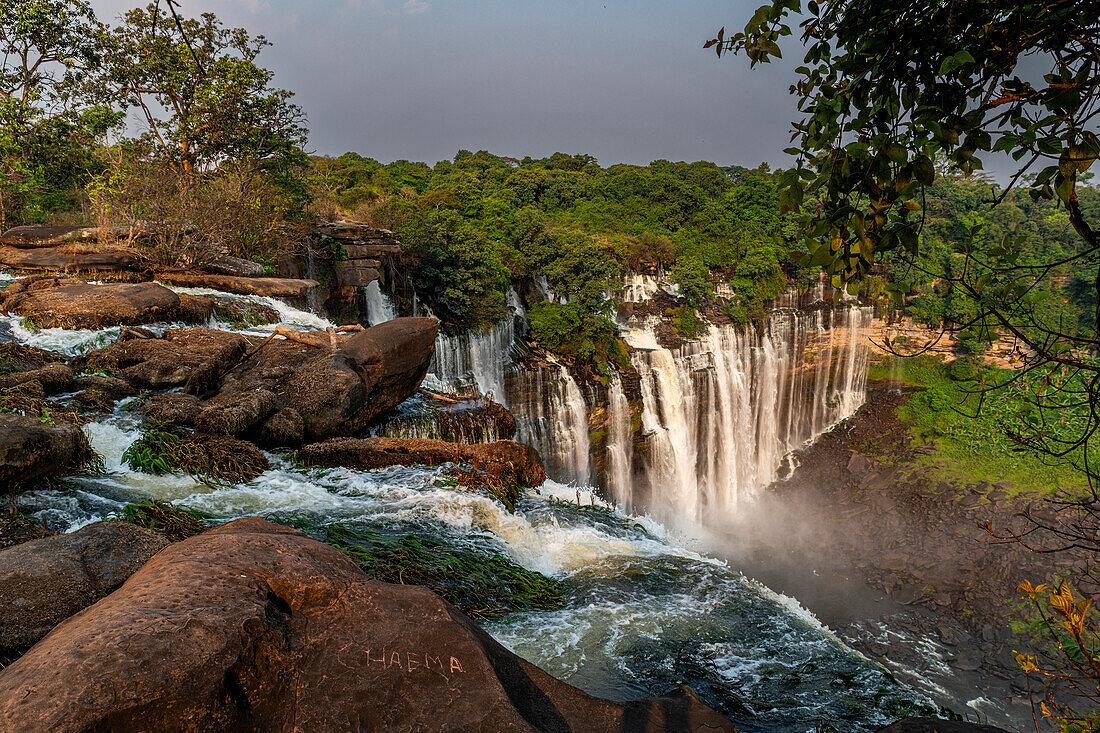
31,450
340,393
969,660
54,378
57,260
935,725
504,459
160,363
252,626
226,265
17,528
113,386
275,287
45,581
34,237
174,408
237,415
284,428
95,306
194,309
334,392
859,464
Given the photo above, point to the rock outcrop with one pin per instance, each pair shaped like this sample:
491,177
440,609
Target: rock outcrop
31,450
45,581
252,626
249,380
505,460
275,287
55,259
54,303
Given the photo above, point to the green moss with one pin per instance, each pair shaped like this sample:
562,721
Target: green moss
481,584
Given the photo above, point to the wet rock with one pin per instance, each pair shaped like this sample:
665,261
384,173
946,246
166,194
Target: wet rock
935,725
31,450
969,660
275,287
113,386
54,378
17,528
336,392
45,581
505,459
238,414
193,309
95,306
160,363
285,428
174,408
251,626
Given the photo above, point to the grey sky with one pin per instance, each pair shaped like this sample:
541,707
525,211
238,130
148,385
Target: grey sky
422,79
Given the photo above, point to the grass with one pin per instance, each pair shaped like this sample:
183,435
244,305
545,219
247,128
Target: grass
482,585
174,522
970,432
158,452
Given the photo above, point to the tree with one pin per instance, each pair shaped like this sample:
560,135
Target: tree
199,91
893,94
46,127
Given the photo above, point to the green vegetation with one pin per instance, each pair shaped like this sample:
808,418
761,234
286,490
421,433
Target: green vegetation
482,584
971,426
174,522
158,452
471,225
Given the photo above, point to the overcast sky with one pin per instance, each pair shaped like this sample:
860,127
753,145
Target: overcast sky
422,79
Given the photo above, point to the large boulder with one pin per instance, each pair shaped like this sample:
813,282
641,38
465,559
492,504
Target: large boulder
252,626
82,305
504,460
31,450
249,380
45,581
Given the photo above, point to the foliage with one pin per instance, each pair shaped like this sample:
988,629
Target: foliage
1069,663
893,95
199,91
46,129
482,584
158,452
174,522
575,331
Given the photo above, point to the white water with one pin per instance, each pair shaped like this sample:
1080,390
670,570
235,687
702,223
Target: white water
553,417
722,412
379,306
620,446
479,359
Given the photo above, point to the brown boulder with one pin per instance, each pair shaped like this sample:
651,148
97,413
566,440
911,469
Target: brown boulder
95,306
174,408
160,363
31,450
505,459
45,581
34,237
252,626
54,378
18,528
274,287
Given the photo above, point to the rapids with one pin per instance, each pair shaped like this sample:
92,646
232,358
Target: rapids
646,612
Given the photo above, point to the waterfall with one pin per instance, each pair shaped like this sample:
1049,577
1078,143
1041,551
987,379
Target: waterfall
620,447
720,413
378,305
553,417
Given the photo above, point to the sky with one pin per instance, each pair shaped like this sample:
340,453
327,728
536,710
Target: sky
627,82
